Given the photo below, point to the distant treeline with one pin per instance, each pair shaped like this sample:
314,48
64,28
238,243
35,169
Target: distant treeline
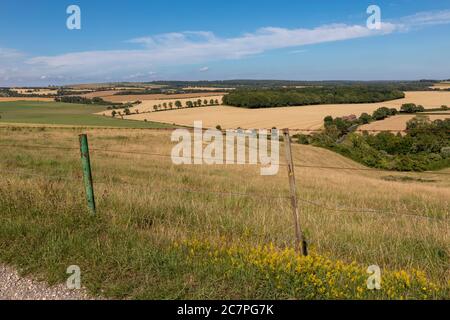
422,85
163,91
65,92
83,100
269,98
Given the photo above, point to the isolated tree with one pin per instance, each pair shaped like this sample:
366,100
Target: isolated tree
178,104
170,105
189,104
195,103
114,113
211,102
199,102
205,102
217,102
165,105
155,107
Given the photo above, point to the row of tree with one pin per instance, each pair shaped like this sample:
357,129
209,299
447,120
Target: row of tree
189,104
271,98
82,100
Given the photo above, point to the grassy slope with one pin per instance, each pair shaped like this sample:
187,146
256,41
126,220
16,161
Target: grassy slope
134,247
54,113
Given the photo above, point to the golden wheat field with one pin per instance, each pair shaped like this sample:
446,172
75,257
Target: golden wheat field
442,85
398,122
35,91
13,99
110,96
305,117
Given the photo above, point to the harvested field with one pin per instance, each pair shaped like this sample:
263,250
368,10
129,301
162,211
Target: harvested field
109,96
306,117
13,99
398,122
121,86
442,85
35,91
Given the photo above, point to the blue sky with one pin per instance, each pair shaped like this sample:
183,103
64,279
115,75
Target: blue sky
211,40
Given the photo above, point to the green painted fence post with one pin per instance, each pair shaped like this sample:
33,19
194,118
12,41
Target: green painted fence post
87,173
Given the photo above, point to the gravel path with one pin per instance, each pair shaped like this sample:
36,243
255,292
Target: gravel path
14,287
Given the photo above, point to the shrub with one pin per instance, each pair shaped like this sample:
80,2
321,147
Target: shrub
365,118
411,108
381,113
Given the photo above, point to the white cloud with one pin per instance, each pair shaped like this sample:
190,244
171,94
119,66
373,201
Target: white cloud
298,51
198,47
195,47
429,18
10,54
204,69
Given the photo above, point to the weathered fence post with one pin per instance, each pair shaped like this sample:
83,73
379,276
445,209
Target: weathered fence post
300,243
87,173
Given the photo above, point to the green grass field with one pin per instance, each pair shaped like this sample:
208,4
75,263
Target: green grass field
54,113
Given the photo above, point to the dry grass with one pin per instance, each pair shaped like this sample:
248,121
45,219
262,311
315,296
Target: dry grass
306,117
132,189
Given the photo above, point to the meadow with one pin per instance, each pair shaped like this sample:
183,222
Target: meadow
53,113
188,232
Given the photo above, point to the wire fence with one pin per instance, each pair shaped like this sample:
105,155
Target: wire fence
191,129
258,196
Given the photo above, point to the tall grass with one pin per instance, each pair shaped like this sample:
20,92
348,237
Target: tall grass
128,250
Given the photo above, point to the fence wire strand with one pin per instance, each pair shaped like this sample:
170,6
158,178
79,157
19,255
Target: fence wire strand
257,196
212,159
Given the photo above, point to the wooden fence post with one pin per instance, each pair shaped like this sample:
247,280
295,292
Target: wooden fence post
300,243
87,173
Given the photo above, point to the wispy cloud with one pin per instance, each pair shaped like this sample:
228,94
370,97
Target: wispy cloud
199,47
183,48
204,69
430,18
